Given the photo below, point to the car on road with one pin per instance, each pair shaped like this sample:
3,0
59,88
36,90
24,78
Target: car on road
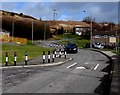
98,45
71,48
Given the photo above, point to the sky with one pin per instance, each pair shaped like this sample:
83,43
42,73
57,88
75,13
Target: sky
101,11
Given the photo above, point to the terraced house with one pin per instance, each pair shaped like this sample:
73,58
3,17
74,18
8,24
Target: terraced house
106,38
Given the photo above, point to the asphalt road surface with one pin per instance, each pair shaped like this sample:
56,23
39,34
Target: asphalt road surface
86,73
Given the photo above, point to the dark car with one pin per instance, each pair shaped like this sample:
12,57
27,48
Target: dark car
71,48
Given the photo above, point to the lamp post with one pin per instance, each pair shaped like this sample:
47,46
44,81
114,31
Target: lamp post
44,31
12,30
54,14
32,31
90,29
117,41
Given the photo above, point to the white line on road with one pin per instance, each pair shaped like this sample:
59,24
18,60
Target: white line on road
86,63
82,68
96,66
71,65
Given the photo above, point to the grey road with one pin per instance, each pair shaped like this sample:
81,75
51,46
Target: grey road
86,73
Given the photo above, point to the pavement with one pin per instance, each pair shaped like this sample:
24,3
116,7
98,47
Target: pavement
36,62
115,83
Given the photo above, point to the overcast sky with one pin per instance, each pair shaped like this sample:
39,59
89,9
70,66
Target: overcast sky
101,11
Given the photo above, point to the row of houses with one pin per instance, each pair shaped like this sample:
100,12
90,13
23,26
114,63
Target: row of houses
109,38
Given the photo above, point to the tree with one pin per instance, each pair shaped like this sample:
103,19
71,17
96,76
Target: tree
21,14
60,31
86,35
88,19
40,19
73,32
12,14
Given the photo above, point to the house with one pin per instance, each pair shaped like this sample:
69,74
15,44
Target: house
106,38
3,35
81,30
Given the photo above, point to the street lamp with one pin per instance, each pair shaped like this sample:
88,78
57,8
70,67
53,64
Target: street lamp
32,31
12,30
54,14
90,29
44,31
117,41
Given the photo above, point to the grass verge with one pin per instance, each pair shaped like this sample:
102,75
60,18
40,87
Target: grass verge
80,43
74,39
33,51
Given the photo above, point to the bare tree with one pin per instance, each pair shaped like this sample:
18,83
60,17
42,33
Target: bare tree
88,19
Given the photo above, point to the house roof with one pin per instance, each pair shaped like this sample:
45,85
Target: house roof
69,24
104,33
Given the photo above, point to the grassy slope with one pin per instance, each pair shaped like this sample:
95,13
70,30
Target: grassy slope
33,51
75,39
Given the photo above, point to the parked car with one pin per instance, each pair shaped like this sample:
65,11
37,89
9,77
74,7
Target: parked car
71,48
98,45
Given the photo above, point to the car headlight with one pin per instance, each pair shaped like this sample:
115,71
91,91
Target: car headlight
74,48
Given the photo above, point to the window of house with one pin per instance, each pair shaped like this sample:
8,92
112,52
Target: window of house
97,36
105,36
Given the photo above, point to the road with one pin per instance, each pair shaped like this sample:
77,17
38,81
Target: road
86,73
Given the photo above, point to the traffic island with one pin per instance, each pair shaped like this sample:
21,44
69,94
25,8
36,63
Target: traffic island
39,62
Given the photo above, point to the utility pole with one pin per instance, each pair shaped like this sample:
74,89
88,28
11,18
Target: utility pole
117,41
111,27
54,13
44,31
91,34
12,31
32,31
91,30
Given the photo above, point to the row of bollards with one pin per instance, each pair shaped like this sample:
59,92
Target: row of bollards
54,55
15,58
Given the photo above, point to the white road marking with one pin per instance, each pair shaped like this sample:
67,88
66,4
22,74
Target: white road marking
71,65
83,68
96,66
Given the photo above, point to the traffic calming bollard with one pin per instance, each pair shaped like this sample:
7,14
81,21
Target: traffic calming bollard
59,53
53,56
55,53
43,56
15,58
26,58
48,56
6,64
65,53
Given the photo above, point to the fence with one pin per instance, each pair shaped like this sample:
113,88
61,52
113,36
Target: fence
14,40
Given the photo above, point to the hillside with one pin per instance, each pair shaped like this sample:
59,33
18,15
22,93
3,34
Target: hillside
21,25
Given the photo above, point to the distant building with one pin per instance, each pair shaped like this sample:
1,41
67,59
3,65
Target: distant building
81,30
105,38
3,35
